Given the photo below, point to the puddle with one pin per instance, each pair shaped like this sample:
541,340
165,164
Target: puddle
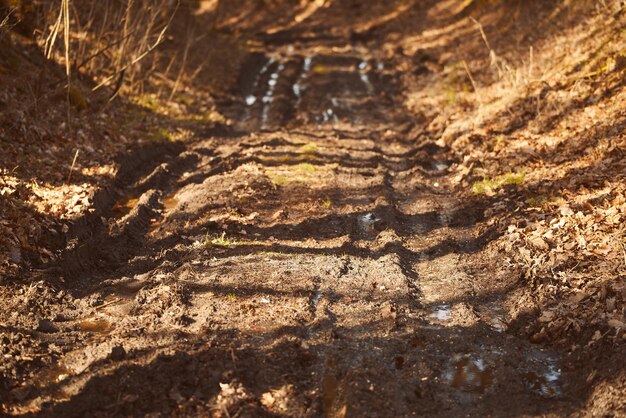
314,300
497,323
55,374
298,87
365,79
439,312
366,222
470,375
170,202
124,206
493,316
445,218
545,385
95,326
297,90
544,376
307,64
329,115
368,84
269,95
49,381
251,99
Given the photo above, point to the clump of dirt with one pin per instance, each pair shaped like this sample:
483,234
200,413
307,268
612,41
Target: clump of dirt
164,301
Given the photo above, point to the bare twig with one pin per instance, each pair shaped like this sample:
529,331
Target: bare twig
69,177
4,24
183,63
482,33
103,50
150,48
68,65
118,86
493,57
469,74
51,39
109,303
531,66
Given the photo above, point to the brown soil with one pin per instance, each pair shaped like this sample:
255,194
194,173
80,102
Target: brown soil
357,239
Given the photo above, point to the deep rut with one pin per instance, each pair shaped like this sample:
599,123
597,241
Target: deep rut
311,267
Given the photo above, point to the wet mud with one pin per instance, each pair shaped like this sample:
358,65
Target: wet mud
309,267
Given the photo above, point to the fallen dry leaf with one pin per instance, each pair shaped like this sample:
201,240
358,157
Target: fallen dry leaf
615,323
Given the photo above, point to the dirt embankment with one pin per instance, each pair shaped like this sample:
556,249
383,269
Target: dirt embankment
394,208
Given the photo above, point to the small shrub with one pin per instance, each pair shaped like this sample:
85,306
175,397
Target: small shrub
218,241
488,186
278,179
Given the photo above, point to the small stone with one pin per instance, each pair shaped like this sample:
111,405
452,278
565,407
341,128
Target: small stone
117,353
388,310
539,243
616,323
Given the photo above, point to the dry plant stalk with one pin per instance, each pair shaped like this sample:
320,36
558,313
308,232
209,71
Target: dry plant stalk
63,20
471,78
145,47
4,24
188,45
102,35
69,176
493,57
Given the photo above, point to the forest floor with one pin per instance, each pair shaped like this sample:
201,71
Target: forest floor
404,213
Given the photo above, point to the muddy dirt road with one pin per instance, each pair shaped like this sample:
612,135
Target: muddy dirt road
306,262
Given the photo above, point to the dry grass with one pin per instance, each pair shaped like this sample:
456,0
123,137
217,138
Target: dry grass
5,23
543,78
109,40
